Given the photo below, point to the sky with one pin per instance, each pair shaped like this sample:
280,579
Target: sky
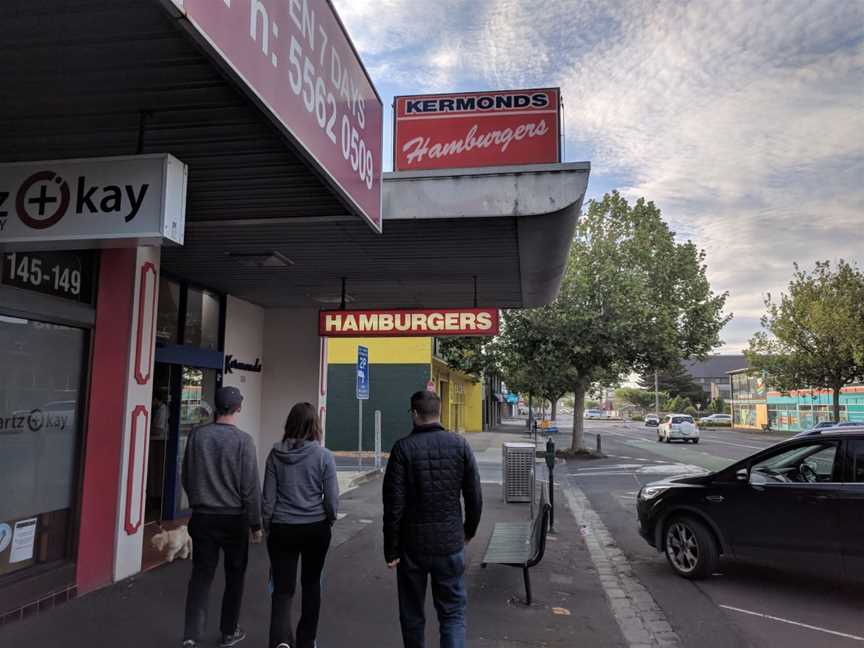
743,121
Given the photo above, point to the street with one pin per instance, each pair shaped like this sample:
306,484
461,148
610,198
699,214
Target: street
743,605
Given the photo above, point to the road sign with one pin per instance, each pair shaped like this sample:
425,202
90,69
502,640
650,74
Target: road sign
362,373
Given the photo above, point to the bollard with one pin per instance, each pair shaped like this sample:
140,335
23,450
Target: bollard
550,463
599,444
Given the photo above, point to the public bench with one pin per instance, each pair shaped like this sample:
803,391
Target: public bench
520,544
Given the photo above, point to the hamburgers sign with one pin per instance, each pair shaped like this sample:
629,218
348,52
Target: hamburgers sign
477,129
408,323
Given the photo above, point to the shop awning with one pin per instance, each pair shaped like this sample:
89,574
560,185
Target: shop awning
91,79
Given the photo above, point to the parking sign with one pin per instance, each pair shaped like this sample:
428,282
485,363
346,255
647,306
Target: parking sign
362,373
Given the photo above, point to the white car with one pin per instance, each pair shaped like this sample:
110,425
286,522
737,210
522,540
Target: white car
678,426
594,414
716,418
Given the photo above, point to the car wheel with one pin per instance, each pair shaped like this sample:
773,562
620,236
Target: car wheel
695,440
691,548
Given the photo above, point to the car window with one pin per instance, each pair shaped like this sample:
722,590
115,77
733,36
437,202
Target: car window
856,455
687,419
809,463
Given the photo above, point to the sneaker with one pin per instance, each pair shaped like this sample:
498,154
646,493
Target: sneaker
232,639
188,643
283,645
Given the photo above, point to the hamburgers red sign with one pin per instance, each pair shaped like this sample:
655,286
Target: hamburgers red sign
477,129
427,322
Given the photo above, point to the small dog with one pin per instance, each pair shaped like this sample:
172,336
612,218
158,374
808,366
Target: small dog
175,543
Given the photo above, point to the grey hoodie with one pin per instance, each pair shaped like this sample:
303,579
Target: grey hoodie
300,484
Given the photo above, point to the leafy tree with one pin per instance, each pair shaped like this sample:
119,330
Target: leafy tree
814,335
641,398
675,381
717,406
631,299
465,354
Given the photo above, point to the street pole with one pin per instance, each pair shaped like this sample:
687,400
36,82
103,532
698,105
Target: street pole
656,394
359,431
550,463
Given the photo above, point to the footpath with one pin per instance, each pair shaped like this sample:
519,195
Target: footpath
359,608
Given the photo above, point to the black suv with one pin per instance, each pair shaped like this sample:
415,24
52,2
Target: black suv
799,503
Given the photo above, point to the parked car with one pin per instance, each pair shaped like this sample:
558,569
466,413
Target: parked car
816,429
678,426
652,420
717,418
795,504
594,414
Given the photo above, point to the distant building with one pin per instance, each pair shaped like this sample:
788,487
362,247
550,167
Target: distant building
713,373
755,404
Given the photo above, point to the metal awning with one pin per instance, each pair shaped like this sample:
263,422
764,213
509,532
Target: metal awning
509,227
94,78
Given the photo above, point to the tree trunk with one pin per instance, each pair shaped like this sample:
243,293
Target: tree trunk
578,411
836,393
554,414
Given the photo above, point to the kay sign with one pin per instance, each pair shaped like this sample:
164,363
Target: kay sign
94,202
296,57
408,323
477,129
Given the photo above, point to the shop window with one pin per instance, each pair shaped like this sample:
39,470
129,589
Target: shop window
41,371
197,407
168,315
203,309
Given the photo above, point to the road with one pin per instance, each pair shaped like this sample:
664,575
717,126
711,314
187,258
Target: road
732,609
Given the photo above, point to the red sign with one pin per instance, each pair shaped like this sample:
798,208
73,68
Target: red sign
297,58
428,322
477,129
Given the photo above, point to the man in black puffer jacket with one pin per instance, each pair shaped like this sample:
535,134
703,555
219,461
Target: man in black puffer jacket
424,533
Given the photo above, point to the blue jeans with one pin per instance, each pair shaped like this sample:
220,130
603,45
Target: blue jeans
448,594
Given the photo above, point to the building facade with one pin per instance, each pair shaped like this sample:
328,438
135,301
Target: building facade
755,405
397,368
713,373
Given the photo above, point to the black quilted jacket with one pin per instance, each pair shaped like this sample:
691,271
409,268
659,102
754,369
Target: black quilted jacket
426,474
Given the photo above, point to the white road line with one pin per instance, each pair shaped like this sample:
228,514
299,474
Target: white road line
737,445
795,623
599,474
609,467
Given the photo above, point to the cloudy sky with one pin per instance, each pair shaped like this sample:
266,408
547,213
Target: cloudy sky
743,121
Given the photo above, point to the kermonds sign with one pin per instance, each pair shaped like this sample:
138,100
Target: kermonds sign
477,129
408,323
106,202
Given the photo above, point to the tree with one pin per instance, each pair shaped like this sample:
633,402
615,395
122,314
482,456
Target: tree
675,381
466,354
814,335
631,299
640,398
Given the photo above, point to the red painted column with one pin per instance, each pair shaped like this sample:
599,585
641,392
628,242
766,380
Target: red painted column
104,437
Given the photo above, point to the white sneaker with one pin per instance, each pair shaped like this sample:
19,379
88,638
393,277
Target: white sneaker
283,645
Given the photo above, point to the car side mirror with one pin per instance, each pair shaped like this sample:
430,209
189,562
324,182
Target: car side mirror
743,475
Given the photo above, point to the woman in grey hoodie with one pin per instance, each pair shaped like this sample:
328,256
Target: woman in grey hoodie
301,496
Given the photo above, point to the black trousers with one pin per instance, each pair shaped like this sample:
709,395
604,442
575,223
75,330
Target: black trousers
210,534
287,543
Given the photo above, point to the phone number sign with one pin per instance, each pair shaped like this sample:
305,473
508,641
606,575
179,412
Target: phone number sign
297,58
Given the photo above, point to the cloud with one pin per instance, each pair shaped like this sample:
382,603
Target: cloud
743,121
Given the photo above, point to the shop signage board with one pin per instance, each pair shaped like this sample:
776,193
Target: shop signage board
297,59
477,129
95,202
427,322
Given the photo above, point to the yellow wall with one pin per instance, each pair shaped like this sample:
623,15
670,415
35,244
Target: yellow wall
411,350
461,399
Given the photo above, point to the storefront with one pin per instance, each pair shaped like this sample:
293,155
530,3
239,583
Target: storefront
755,405
113,341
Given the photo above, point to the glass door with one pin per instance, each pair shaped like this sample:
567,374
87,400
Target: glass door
161,424
197,393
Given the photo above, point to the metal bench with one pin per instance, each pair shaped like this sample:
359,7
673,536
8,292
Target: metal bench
520,544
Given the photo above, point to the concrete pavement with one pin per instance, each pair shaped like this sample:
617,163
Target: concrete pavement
359,606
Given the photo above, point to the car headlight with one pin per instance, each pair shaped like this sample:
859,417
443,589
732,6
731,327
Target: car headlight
650,492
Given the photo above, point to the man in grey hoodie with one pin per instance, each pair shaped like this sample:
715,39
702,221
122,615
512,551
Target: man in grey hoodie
220,476
301,497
